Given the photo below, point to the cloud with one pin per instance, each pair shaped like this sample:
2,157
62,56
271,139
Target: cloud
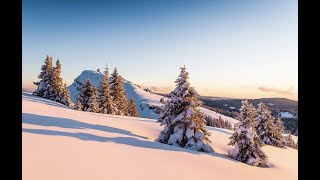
288,91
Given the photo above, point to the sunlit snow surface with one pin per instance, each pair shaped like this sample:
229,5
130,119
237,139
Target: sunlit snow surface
61,143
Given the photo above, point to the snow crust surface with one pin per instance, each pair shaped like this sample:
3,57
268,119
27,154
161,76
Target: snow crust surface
62,143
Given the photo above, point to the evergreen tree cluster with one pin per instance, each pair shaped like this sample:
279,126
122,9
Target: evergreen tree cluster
184,125
246,142
107,98
51,85
257,127
218,122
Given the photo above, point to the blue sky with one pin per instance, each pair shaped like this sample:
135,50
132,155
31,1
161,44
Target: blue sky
232,48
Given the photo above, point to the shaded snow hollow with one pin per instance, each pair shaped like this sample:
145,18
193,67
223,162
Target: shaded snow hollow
146,102
61,143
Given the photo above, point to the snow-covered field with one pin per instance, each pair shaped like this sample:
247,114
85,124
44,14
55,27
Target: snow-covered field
146,102
61,143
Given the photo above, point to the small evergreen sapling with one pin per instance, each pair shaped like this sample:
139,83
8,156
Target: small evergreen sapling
66,99
290,142
132,109
78,105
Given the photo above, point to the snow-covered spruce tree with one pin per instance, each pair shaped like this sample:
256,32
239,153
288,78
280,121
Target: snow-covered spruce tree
247,143
93,105
118,93
55,92
132,109
45,77
290,142
87,97
104,99
66,99
78,105
184,123
279,124
266,129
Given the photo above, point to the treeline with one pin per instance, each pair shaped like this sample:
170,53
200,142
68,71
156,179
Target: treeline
232,114
107,98
290,124
218,122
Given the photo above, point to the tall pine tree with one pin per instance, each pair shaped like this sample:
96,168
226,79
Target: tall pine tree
266,129
247,143
184,123
132,109
87,97
105,101
118,93
45,77
55,92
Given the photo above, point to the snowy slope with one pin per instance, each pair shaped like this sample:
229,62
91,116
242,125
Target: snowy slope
61,143
147,102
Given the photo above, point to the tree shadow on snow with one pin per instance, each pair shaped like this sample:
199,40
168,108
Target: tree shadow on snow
130,141
70,123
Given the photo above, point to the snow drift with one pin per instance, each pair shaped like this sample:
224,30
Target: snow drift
61,143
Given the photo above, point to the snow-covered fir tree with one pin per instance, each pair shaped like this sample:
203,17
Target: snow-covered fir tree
184,123
78,105
279,125
266,129
88,97
66,99
118,93
93,105
50,85
290,142
104,99
247,144
45,77
132,109
55,92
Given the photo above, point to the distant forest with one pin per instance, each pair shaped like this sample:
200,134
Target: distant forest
230,107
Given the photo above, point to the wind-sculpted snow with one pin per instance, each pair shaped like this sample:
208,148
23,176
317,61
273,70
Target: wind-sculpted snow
62,143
